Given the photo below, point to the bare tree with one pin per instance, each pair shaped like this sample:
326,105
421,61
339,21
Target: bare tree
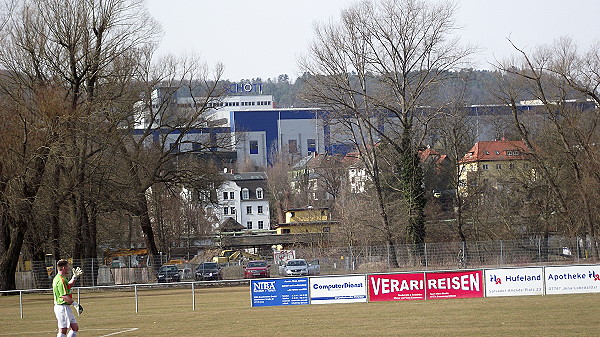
78,78
376,68
564,82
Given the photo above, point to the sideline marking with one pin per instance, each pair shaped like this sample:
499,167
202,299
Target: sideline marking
120,332
54,331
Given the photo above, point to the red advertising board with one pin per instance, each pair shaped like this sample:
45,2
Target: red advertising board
456,284
396,287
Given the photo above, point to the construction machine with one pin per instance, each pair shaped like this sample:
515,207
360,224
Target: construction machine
231,255
111,255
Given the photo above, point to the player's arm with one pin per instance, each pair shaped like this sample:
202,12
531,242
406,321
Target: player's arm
67,299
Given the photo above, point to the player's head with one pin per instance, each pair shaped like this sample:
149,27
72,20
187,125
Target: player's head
62,264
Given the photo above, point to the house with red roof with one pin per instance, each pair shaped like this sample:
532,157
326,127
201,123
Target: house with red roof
494,164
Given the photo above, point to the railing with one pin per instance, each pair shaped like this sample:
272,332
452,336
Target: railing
78,292
336,260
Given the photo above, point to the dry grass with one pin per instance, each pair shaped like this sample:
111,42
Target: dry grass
226,311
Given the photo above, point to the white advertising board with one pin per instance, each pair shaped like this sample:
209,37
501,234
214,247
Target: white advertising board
338,289
282,256
514,282
572,279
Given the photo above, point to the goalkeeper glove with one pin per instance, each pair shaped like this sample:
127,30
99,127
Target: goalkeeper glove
76,273
77,307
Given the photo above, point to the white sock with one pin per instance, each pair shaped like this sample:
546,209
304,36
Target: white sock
72,334
60,335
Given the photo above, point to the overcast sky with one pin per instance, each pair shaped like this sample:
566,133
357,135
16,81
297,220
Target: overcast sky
264,38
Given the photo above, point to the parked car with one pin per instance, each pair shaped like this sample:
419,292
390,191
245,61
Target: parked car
299,267
209,271
257,269
168,273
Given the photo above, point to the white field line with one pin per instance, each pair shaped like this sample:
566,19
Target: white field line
120,332
54,331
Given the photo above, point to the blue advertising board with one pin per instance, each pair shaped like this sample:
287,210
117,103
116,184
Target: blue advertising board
288,291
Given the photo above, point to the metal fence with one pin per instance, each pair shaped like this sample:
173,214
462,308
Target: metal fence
336,260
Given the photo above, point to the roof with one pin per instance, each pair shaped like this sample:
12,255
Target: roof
497,150
245,176
425,154
306,209
251,181
230,225
431,154
316,160
308,223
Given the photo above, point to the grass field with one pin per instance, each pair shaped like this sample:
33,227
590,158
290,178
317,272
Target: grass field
226,311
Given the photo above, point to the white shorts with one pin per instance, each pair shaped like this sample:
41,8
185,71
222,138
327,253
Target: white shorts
64,316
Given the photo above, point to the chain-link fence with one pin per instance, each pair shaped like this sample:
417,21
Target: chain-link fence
332,260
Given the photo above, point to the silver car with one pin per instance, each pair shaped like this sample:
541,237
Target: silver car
299,267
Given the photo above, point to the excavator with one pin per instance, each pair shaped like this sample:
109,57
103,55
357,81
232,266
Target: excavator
231,255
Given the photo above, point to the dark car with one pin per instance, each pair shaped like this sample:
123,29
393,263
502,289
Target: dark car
258,268
208,271
168,273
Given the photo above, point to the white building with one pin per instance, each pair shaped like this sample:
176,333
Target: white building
251,125
243,197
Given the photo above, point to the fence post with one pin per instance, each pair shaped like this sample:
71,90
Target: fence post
539,250
577,245
193,297
21,303
93,273
425,252
388,256
136,298
501,254
350,263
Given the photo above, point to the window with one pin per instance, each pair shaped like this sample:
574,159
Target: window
249,224
254,147
232,195
259,209
311,145
326,229
261,225
259,193
498,166
245,194
285,231
497,152
485,167
232,210
292,146
225,195
487,152
248,209
226,211
511,166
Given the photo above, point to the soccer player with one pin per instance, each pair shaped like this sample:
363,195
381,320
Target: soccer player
63,299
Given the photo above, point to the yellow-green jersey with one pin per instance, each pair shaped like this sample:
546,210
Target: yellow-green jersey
60,287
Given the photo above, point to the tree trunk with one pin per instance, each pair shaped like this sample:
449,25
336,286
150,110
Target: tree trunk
146,226
9,256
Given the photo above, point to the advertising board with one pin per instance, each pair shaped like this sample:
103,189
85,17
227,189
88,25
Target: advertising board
289,291
396,287
282,256
572,279
454,284
338,289
514,282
